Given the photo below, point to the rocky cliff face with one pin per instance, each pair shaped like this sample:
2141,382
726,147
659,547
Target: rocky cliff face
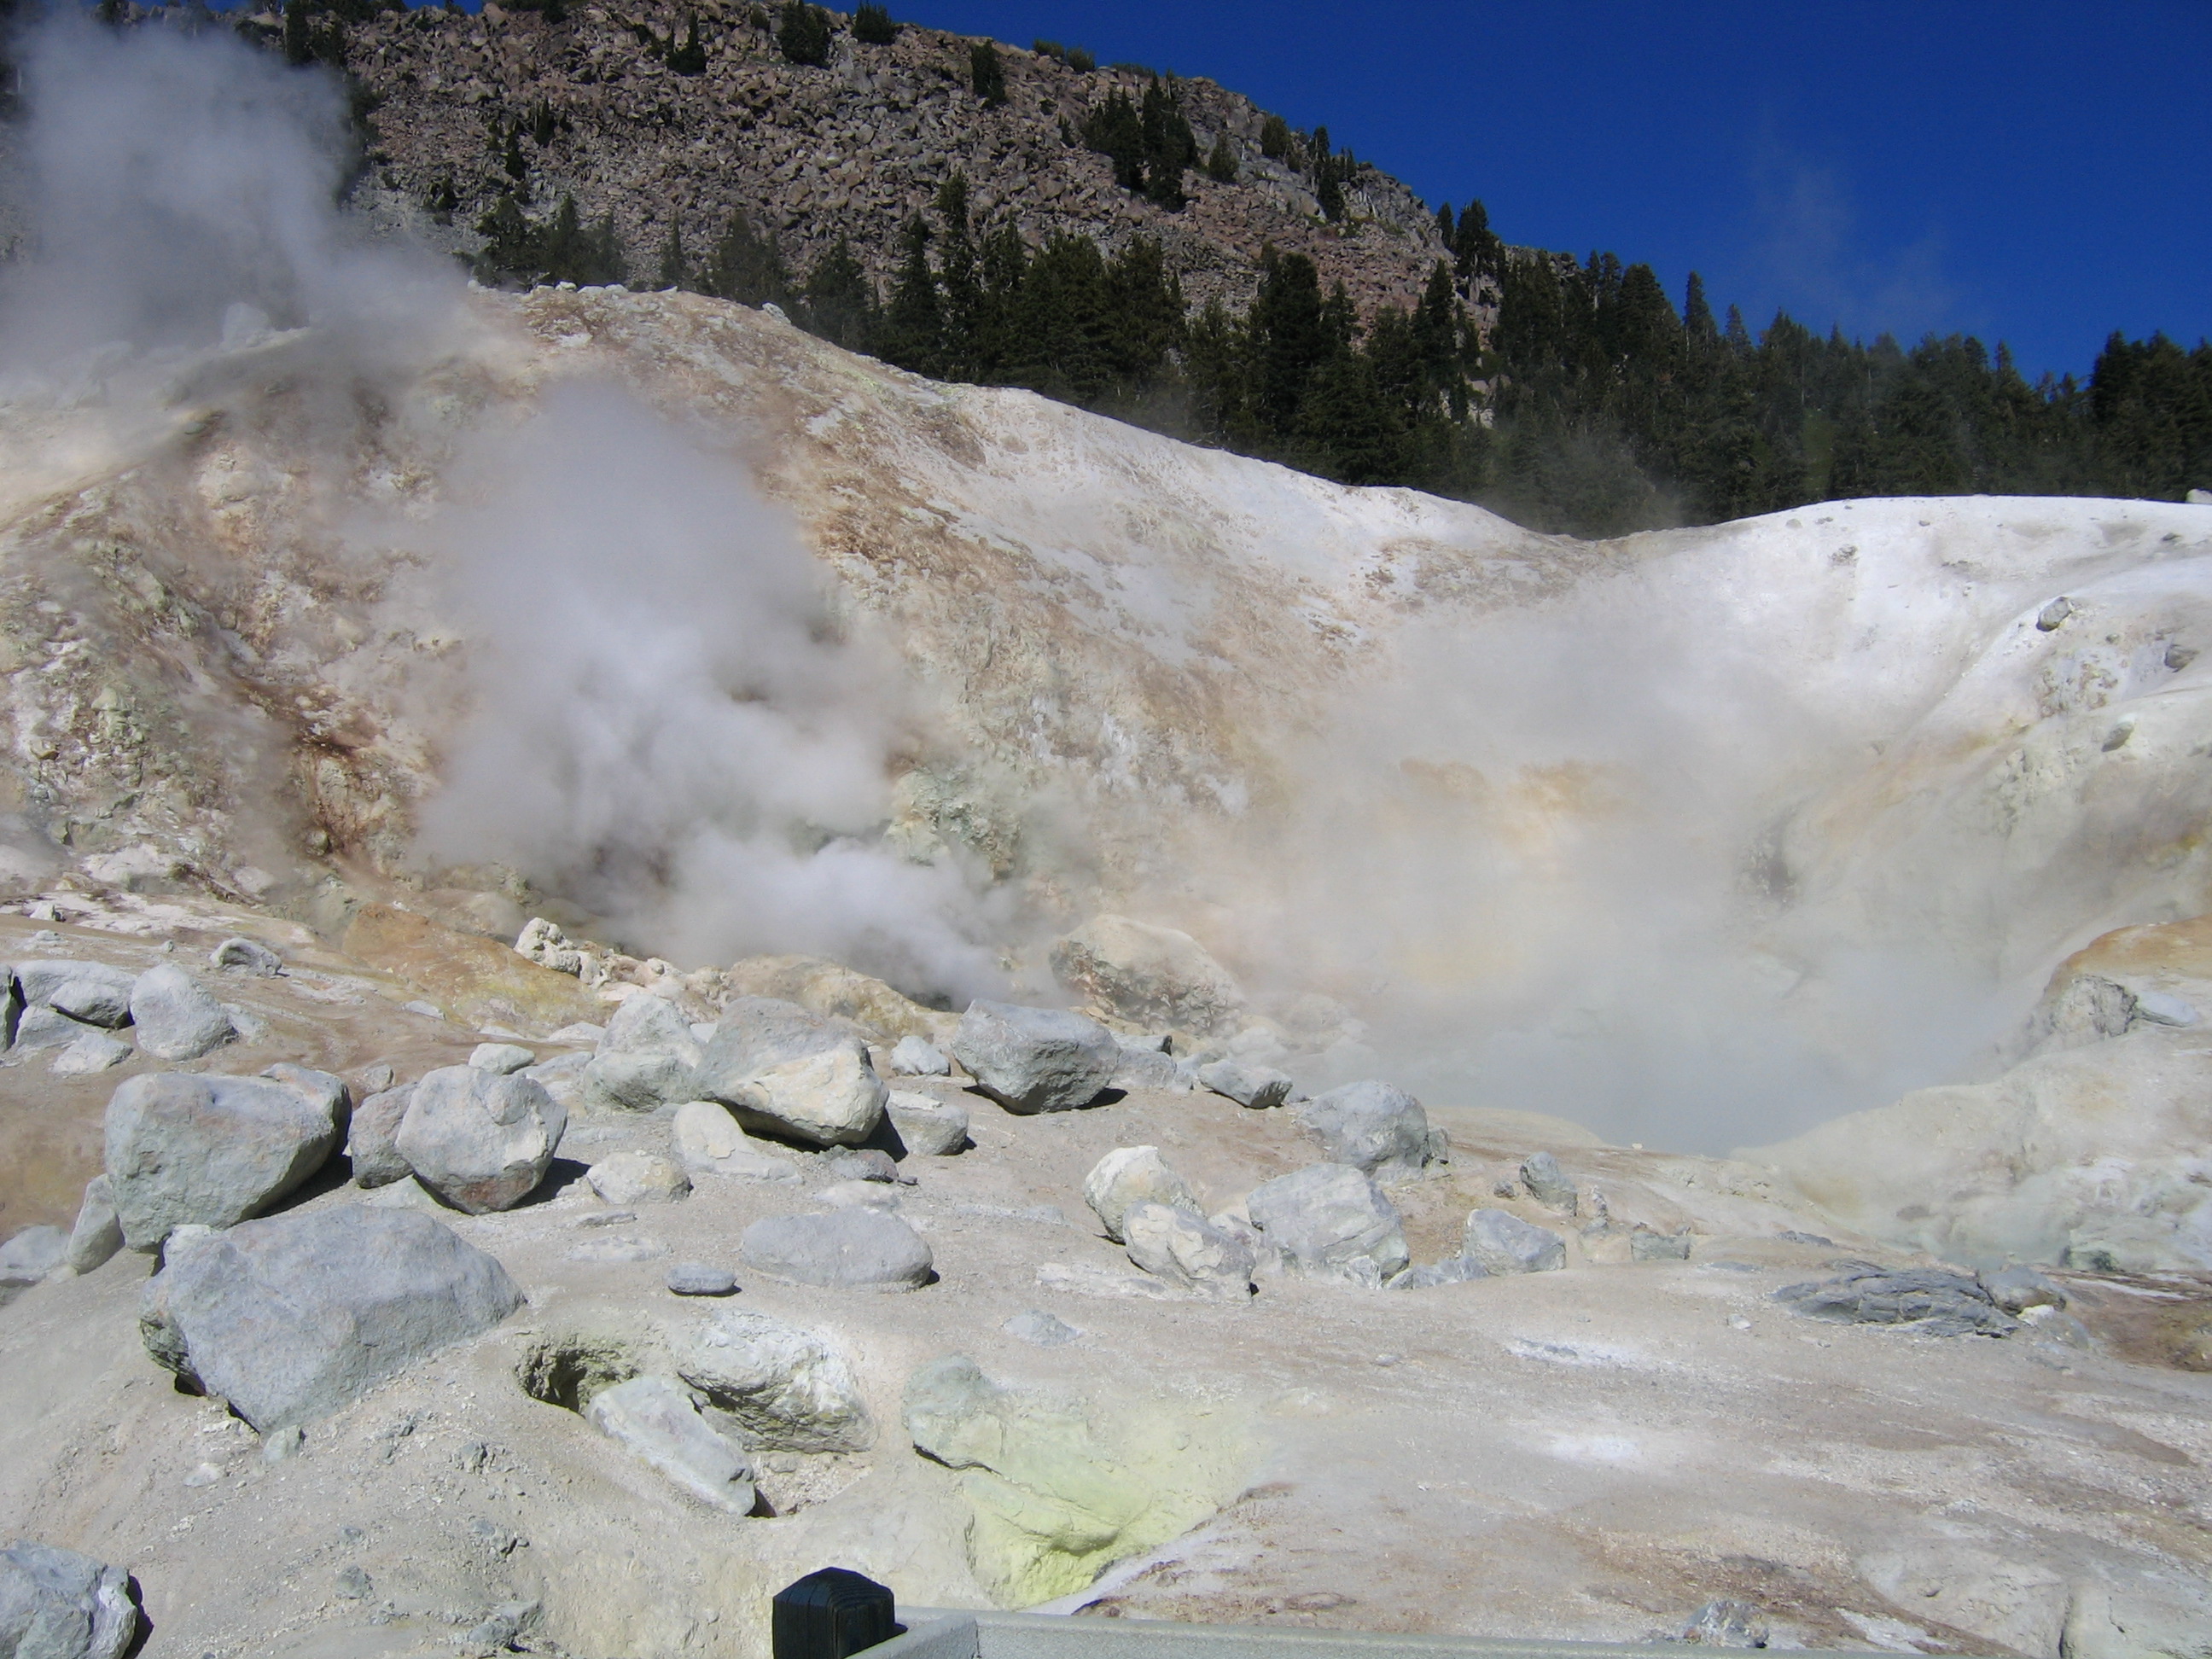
852,149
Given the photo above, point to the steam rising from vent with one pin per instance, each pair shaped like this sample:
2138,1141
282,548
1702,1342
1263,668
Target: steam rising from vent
667,725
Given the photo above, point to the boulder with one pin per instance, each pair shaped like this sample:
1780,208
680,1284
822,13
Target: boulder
1451,1270
1148,1066
1373,1126
1148,975
372,1139
478,1140
646,1060
174,1018
867,1163
1929,1299
1504,1243
1040,1329
98,1235
209,1151
41,1026
786,1071
1035,1060
90,991
57,1604
1130,1175
848,1249
2018,1289
1644,1245
706,1141
700,1278
504,1057
327,1088
1549,1185
1185,1249
93,1052
29,1255
1259,1087
1330,1221
789,1389
919,1057
638,1178
292,1318
653,1418
247,956
927,1125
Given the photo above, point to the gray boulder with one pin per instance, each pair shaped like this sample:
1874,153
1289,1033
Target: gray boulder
633,1177
43,1026
1452,1270
1128,1177
93,1052
1373,1126
1504,1243
646,1060
786,1071
927,1125
706,1141
247,956
478,1140
98,1235
209,1151
174,1018
291,1318
789,1389
700,1278
1149,975
919,1057
1148,1066
504,1057
1186,1251
2018,1289
57,1604
1035,1060
372,1139
90,991
653,1418
29,1255
1259,1087
1929,1299
1330,1221
1040,1329
1549,1185
848,1249
1644,1245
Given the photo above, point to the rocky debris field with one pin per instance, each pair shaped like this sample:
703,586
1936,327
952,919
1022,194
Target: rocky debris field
586,1338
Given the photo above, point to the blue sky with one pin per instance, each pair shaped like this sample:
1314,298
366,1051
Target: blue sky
2030,172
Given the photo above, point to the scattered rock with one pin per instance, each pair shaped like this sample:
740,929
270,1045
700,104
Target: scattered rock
1380,1130
354,1584
928,1125
291,1318
478,1140
790,1389
32,1254
1259,1087
247,956
57,1604
1451,1270
98,1234
1504,1243
327,1088
1330,1221
1040,1329
90,992
653,1418
2018,1289
1930,1299
43,1027
708,1141
371,1139
582,1032
698,1278
848,1249
503,1058
210,1151
1148,1066
638,1178
1644,1245
2054,614
1182,1247
618,1250
1130,1175
1726,1625
919,1057
786,1071
1035,1060
2164,1008
95,1051
864,1164
647,1059
280,1444
1548,1184
174,1018
858,1194
1148,975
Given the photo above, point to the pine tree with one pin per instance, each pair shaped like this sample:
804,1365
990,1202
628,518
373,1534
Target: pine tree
1169,147
1275,138
1290,339
675,269
802,34
986,74
872,27
840,300
959,278
912,335
1221,161
690,57
746,268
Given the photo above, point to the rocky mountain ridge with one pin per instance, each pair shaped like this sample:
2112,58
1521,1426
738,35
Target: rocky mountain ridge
853,148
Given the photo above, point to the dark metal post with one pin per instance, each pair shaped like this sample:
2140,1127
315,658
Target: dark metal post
830,1613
